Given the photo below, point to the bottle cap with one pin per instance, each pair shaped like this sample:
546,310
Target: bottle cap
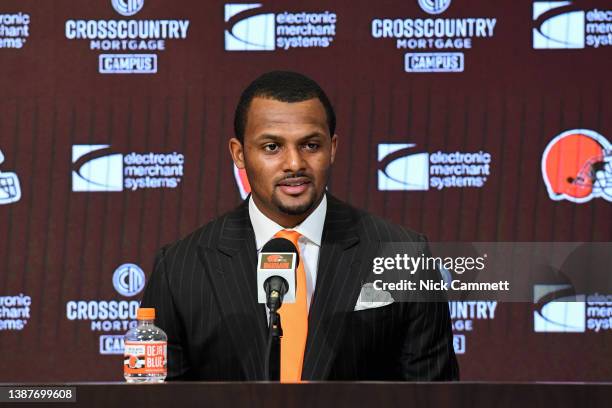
146,313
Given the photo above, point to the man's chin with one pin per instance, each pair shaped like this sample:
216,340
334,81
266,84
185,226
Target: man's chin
291,206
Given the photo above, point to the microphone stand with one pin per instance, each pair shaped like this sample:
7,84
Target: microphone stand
275,332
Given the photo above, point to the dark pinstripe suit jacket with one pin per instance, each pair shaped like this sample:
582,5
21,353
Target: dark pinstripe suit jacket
204,290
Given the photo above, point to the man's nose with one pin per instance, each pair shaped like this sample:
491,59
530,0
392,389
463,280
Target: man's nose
294,161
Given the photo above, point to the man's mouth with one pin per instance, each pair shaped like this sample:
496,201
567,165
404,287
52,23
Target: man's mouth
294,186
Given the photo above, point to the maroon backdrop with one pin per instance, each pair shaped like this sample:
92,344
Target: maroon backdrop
59,246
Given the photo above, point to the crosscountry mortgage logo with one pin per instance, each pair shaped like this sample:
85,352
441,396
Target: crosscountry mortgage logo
111,316
251,27
402,168
128,279
464,315
436,43
100,168
555,313
127,7
567,25
434,6
131,43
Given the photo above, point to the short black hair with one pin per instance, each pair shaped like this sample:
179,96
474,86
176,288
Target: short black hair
283,86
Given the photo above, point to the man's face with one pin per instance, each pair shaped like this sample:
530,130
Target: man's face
287,153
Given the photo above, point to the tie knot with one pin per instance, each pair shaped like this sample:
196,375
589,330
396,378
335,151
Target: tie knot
292,236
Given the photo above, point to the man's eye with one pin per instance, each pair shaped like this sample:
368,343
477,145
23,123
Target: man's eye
312,146
271,147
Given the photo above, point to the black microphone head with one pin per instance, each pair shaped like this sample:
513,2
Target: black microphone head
281,245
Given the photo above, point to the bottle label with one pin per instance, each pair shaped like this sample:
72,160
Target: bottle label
144,357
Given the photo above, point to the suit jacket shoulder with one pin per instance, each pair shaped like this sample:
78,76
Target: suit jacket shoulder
370,227
209,235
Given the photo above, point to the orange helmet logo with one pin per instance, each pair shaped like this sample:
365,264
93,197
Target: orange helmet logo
133,362
577,166
274,258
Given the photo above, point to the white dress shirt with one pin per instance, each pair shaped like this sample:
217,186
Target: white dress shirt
311,230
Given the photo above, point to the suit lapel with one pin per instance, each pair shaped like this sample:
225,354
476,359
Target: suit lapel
339,278
231,269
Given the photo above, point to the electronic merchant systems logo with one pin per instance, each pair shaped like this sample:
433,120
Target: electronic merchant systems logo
557,309
567,25
252,27
436,44
127,7
577,166
10,190
100,168
128,46
402,167
14,30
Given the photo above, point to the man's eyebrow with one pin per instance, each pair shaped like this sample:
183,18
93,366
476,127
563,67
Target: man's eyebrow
270,137
312,136
277,138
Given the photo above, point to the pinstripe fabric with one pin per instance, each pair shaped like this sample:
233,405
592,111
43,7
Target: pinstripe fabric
204,290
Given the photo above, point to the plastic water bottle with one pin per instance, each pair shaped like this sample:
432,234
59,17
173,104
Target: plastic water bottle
145,350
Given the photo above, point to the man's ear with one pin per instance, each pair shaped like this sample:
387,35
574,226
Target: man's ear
237,152
334,146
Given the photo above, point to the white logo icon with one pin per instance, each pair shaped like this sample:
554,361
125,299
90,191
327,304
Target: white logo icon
406,172
128,279
565,314
434,6
459,343
127,63
127,7
251,33
434,62
96,168
556,28
10,190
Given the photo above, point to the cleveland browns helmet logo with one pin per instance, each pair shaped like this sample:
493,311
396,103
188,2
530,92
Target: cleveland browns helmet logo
577,166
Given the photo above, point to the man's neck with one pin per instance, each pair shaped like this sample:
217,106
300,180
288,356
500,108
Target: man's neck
283,219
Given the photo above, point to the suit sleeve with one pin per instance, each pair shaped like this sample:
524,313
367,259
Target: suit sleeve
159,295
427,352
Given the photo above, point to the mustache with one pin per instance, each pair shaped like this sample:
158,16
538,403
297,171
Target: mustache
294,175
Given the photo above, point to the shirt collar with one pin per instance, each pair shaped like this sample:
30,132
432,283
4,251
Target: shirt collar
265,228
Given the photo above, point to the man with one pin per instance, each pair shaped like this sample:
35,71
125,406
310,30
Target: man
204,286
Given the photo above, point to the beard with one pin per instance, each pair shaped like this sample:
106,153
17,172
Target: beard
297,209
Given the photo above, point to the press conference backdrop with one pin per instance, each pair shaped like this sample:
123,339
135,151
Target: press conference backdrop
468,120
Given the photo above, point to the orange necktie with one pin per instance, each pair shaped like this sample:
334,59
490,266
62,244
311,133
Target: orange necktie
294,320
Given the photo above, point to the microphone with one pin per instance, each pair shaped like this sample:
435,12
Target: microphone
276,267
